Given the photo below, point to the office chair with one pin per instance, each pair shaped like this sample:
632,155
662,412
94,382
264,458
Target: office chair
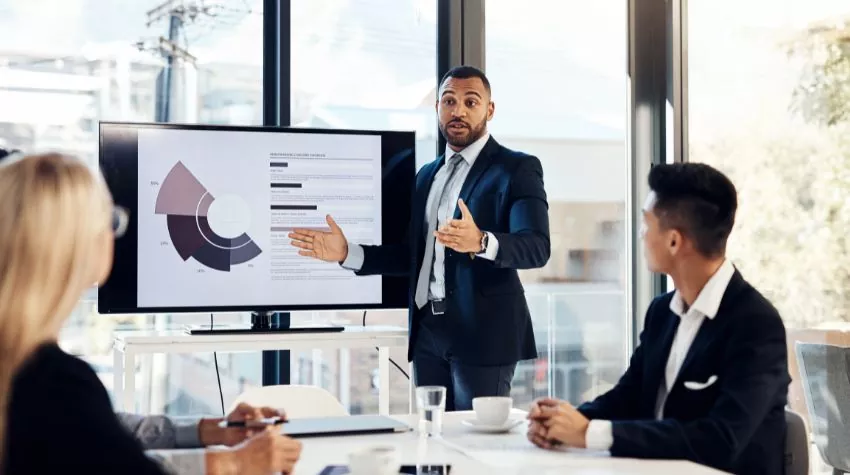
825,371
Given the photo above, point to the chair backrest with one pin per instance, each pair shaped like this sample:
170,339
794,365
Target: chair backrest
828,336
796,445
298,401
825,372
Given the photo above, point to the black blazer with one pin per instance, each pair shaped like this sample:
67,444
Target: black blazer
487,314
736,424
60,420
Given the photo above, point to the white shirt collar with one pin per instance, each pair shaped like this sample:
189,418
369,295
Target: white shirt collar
708,300
471,152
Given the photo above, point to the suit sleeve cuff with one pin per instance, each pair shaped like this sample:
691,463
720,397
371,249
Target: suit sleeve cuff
599,435
354,261
187,432
492,248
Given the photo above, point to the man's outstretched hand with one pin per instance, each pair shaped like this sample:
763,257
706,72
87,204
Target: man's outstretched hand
461,235
330,246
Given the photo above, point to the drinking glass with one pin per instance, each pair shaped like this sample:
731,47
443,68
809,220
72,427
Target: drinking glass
431,402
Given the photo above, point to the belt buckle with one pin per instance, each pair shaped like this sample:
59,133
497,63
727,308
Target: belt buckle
438,307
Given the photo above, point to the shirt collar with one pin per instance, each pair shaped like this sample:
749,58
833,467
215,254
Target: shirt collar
471,152
708,301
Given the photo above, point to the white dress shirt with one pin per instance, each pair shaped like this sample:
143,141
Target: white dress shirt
450,194
599,436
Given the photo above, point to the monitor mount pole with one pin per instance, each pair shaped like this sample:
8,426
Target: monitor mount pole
269,321
276,368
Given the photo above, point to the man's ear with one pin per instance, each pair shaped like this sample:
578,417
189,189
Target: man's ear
676,240
491,109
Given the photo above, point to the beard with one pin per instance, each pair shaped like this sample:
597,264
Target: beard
461,138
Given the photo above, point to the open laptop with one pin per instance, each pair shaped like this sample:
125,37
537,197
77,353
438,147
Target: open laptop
343,425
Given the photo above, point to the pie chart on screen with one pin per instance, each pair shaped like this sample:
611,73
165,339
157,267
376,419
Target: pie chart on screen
203,227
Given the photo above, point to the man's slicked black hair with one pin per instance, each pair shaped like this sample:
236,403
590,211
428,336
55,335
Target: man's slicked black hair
697,200
467,72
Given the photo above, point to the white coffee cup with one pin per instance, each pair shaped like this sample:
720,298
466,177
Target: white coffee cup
492,410
377,460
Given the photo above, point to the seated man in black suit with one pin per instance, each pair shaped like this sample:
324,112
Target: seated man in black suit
709,379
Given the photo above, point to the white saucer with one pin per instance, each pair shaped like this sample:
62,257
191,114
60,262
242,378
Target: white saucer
478,426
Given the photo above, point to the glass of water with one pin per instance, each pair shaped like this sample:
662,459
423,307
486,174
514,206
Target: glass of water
431,402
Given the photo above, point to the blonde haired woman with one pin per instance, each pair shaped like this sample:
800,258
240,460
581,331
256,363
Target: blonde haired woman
57,225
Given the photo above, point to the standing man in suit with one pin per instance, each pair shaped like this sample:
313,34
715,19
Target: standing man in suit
709,380
479,215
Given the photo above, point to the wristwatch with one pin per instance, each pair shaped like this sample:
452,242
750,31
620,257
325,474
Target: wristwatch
485,240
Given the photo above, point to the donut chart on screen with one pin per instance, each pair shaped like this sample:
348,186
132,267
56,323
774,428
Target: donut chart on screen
186,203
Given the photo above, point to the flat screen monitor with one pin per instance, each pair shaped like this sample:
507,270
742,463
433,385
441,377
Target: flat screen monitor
211,208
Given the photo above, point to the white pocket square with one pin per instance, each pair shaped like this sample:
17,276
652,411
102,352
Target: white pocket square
697,386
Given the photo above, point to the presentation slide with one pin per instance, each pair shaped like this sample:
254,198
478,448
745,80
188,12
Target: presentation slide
215,209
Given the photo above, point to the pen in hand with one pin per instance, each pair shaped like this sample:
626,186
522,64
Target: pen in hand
252,423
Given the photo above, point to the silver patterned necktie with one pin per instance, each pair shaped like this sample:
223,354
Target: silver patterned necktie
421,296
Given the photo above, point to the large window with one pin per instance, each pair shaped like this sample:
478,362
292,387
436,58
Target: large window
64,65
558,71
768,104
768,92
364,64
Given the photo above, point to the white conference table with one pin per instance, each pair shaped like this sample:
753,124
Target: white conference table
471,453
127,345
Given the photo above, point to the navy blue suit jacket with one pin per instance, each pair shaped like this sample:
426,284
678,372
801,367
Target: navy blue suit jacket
487,315
736,424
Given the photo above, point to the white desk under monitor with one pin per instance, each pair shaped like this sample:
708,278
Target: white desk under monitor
129,344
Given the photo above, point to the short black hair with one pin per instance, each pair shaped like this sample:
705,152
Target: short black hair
697,200
467,72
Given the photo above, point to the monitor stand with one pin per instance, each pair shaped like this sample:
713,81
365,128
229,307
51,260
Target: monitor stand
262,322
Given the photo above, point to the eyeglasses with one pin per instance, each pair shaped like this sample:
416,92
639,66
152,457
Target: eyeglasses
8,153
120,221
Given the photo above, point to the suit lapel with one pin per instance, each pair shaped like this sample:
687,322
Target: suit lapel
423,187
711,328
478,168
659,354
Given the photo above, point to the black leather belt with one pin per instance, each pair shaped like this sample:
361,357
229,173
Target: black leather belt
438,307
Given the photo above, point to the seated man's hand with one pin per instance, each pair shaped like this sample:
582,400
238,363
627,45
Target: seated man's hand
536,410
537,435
212,434
565,425
268,451
537,432
556,422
